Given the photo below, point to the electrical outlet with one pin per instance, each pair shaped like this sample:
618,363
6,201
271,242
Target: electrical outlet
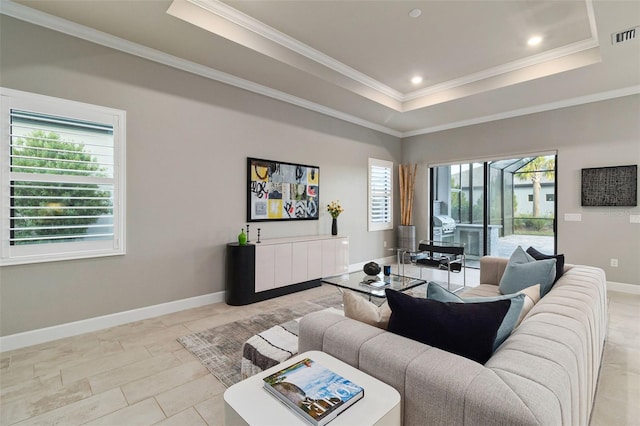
614,263
572,217
385,244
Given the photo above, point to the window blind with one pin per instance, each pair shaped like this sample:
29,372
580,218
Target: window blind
61,179
380,194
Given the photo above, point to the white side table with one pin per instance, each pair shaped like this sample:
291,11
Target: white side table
247,403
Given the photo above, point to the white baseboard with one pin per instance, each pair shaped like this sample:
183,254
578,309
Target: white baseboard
42,335
623,287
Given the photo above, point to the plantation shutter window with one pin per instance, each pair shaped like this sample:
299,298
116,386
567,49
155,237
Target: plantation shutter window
62,179
380,195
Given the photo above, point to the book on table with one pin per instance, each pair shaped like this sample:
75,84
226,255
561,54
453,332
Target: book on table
314,392
374,281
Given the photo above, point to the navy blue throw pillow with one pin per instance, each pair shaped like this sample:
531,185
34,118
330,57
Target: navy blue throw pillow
541,256
465,329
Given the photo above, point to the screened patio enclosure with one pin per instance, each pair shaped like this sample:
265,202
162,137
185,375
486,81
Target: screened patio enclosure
496,205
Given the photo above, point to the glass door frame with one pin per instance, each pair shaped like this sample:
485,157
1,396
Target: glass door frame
486,189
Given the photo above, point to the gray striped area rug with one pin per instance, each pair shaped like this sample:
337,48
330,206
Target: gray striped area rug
220,348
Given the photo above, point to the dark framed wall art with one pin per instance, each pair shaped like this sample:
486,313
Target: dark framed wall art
282,191
610,186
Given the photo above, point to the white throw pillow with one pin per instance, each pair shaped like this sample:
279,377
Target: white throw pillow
357,308
532,296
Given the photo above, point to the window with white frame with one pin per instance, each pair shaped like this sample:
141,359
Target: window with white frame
62,179
380,195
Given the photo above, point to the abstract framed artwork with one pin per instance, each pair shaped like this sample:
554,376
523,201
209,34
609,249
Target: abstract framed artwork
282,191
615,186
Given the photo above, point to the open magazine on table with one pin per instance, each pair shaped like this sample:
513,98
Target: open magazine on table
314,392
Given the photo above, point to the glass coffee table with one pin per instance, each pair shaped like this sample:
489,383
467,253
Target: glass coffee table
359,282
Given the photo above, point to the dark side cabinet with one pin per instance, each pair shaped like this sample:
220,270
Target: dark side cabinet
240,274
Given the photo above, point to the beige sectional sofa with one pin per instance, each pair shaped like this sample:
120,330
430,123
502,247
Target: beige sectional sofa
545,373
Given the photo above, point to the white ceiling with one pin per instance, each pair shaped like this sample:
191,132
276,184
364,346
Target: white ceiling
353,59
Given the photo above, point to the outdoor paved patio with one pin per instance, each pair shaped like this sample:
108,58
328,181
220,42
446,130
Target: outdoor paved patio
506,245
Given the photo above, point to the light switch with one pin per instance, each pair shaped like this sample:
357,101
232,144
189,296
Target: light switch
634,218
572,217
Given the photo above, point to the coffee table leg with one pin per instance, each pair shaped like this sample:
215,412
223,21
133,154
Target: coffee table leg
403,253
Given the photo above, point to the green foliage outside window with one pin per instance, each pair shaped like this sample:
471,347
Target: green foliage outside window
45,209
527,225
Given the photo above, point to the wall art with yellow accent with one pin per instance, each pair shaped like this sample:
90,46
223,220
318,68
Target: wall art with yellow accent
282,191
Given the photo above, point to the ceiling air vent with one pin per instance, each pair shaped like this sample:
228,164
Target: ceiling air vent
625,35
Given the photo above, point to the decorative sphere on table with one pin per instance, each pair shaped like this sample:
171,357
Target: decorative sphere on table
371,268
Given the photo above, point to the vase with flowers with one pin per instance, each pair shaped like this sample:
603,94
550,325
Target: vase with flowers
334,208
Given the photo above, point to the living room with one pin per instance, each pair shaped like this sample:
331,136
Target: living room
187,140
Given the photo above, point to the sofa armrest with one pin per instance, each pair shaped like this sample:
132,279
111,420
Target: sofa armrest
491,269
312,329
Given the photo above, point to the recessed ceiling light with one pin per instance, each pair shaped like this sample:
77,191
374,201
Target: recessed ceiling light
415,13
416,80
534,41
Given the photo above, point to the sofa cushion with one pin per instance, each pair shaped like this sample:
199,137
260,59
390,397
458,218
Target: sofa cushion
465,329
541,256
481,290
357,308
513,317
523,271
532,296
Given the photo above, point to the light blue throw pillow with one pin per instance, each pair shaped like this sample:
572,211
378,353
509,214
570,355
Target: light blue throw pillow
523,271
437,292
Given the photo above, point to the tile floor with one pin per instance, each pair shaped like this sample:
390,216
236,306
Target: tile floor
139,374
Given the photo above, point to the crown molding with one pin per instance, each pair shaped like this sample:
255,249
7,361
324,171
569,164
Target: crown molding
550,55
42,19
592,20
249,23
245,21
73,29
596,97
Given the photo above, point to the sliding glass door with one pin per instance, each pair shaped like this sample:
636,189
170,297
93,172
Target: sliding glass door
494,206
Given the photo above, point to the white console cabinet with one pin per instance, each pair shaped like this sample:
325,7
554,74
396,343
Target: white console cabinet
285,261
272,268
335,257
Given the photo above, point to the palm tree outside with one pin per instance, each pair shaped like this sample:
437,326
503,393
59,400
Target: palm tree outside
537,171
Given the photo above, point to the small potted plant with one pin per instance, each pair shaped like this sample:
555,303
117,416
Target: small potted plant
334,208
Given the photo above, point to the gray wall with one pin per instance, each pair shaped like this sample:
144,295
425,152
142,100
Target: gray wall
187,143
598,134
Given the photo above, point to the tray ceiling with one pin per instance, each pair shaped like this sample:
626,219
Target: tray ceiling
354,60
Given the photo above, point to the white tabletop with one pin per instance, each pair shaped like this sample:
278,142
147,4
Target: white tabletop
248,403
